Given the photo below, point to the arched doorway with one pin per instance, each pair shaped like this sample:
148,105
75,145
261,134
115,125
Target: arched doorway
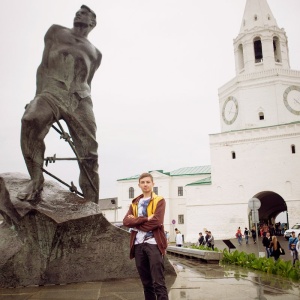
272,205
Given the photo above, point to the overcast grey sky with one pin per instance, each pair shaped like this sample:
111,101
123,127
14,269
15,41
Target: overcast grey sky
155,94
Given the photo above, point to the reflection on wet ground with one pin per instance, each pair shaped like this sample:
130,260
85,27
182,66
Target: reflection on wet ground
208,281
195,281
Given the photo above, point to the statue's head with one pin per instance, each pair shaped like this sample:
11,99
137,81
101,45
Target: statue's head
85,17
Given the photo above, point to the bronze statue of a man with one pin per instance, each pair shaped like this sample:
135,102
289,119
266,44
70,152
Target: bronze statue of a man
63,92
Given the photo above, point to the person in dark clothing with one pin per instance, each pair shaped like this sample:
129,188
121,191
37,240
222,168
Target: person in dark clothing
266,241
246,235
253,233
201,239
275,248
206,237
211,241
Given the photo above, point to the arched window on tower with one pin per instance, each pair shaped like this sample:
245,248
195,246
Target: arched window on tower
233,155
293,148
255,17
131,192
261,115
240,57
277,50
258,54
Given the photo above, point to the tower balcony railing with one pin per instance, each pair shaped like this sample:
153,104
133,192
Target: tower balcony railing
260,74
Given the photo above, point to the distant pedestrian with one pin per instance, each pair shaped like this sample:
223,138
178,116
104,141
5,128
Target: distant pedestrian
266,241
298,246
246,235
275,248
201,239
178,238
206,237
167,236
253,233
293,240
239,236
211,241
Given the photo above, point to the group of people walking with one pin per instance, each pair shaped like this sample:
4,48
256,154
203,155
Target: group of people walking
272,246
207,240
246,234
271,243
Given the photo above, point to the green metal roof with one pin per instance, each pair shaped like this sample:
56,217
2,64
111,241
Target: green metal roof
130,178
191,171
203,181
198,170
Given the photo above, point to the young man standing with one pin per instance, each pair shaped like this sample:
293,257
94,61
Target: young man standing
148,241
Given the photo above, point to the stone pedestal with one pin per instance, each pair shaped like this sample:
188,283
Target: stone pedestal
59,238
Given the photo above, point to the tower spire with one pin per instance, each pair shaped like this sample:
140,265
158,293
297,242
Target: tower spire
261,45
257,14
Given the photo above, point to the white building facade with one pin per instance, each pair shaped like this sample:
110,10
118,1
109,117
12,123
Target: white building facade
257,153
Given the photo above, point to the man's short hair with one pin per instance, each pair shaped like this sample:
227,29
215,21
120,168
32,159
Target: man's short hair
91,12
145,175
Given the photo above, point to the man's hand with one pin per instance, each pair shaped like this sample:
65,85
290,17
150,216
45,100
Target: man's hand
150,218
130,216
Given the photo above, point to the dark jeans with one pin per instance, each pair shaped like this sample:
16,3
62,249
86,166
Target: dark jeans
268,250
150,265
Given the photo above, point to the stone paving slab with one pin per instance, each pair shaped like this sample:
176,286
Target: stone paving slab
204,255
195,281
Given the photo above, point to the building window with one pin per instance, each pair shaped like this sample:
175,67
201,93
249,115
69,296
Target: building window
180,191
131,192
261,116
180,219
233,155
240,57
293,148
155,190
277,49
255,18
258,54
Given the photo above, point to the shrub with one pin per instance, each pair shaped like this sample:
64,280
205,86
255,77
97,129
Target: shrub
201,247
268,265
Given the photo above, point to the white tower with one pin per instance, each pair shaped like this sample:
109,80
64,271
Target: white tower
257,153
265,91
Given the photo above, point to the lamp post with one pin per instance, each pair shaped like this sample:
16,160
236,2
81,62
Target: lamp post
254,204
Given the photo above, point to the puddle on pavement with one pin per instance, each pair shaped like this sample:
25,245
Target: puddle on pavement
228,282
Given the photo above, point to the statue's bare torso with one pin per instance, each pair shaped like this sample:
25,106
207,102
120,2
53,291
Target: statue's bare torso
69,62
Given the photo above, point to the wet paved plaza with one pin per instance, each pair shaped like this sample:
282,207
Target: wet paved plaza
195,281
